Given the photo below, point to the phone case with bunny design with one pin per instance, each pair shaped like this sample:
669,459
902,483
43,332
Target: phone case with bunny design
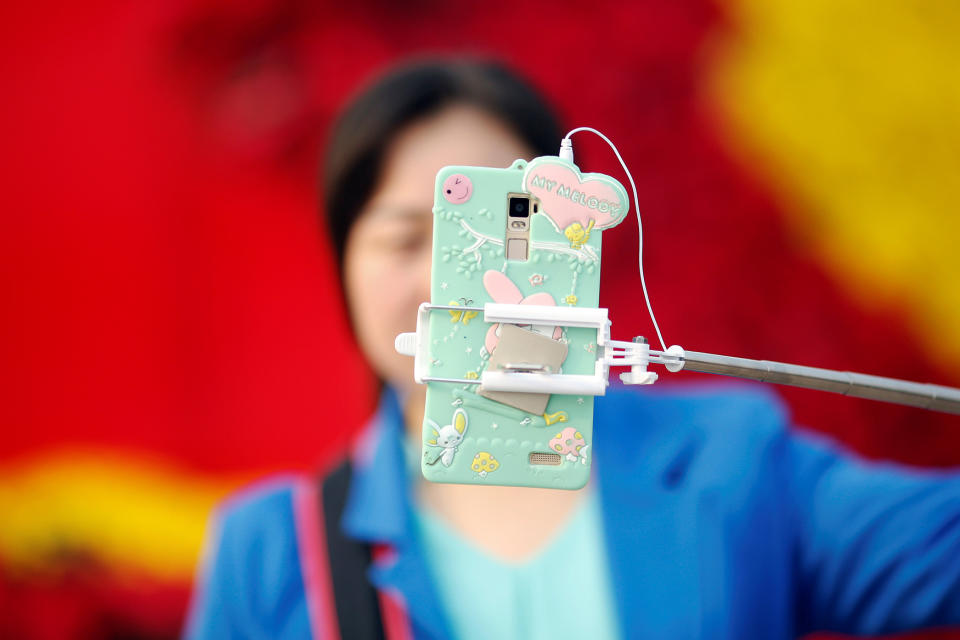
486,249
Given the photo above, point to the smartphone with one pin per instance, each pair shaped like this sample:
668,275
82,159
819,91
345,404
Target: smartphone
529,234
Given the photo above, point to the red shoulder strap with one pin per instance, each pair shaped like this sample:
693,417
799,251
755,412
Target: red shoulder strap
314,566
393,609
341,600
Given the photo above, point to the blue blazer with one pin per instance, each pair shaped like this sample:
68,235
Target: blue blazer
720,522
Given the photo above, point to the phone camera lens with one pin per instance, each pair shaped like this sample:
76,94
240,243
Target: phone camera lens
519,207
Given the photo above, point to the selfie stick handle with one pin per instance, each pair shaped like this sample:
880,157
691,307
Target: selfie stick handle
858,385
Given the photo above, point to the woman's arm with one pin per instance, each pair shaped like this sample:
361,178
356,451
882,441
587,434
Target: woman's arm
878,548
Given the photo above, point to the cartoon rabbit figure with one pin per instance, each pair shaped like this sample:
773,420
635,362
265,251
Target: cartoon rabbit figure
503,290
448,437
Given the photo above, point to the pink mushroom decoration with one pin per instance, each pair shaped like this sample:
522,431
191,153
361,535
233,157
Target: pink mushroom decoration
570,443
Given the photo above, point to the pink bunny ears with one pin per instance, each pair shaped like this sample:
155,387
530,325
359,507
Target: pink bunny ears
504,291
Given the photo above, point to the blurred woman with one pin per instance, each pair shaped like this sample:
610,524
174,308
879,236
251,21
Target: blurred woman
716,522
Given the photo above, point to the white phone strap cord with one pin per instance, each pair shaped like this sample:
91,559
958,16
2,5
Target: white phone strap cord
566,151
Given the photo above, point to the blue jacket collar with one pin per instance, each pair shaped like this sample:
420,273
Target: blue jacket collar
378,507
379,510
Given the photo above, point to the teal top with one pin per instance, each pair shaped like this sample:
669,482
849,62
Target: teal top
562,591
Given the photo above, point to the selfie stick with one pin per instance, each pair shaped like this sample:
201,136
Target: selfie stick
527,377
858,385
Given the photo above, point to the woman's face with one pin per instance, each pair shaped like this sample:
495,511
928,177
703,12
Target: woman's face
387,256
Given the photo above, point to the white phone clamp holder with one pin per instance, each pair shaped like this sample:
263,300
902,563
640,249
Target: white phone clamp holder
520,378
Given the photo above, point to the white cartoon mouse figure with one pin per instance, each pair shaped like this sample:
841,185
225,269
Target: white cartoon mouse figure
448,438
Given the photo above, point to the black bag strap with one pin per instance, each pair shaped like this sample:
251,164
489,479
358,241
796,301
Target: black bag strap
356,600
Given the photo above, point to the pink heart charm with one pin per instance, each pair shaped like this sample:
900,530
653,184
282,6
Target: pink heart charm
575,203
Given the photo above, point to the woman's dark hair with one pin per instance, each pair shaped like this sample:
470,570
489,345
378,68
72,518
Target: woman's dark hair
407,93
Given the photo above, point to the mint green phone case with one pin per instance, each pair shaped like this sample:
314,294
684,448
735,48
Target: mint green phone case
472,439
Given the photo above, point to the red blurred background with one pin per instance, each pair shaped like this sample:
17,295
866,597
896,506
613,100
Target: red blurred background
170,325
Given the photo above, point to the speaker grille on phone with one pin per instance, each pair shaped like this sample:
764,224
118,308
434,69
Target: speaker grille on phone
551,459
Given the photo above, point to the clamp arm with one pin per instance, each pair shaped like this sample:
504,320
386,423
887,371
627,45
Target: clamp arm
520,379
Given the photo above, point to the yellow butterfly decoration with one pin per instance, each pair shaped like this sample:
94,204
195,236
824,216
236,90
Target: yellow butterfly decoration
461,316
